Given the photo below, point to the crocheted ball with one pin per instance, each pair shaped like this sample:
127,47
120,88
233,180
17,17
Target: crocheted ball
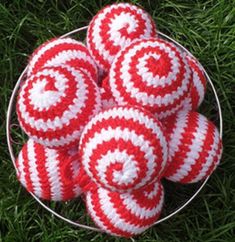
198,88
54,105
151,73
195,147
63,51
41,171
114,27
125,214
123,148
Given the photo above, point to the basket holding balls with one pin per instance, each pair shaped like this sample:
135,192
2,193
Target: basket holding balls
112,119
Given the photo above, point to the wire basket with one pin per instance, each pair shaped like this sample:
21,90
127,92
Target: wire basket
189,191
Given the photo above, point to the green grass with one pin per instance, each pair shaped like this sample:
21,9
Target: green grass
207,29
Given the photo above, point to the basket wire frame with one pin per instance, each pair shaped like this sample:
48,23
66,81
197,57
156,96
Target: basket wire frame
77,224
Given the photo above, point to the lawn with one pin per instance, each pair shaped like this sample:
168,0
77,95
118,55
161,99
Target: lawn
207,29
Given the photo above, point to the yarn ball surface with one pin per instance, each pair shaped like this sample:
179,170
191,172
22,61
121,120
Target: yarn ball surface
126,214
54,105
59,51
151,73
195,147
114,27
41,171
107,100
123,148
198,88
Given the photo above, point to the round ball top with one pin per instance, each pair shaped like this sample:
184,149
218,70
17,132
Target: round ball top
54,105
123,148
113,28
60,51
151,73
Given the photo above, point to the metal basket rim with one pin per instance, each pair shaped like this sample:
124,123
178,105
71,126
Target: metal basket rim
9,142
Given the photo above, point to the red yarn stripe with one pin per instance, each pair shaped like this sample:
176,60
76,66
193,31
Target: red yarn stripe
66,187
26,164
41,158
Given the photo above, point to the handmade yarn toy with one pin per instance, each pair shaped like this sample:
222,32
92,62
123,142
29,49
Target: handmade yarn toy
123,148
151,73
114,27
125,214
198,88
55,104
195,147
41,171
59,51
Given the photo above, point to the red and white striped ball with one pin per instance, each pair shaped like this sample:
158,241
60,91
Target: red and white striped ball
126,214
195,147
114,27
198,88
54,105
123,148
41,171
59,51
151,73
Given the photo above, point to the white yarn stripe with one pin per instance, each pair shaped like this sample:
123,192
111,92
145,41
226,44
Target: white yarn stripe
20,168
51,166
45,48
33,172
117,23
194,150
199,87
143,213
126,175
176,134
187,104
64,140
127,135
111,213
75,167
211,155
73,110
136,116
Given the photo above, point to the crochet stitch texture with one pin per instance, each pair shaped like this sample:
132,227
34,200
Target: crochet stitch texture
41,171
123,148
115,27
55,104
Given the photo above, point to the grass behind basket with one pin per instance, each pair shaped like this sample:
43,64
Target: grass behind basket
207,29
